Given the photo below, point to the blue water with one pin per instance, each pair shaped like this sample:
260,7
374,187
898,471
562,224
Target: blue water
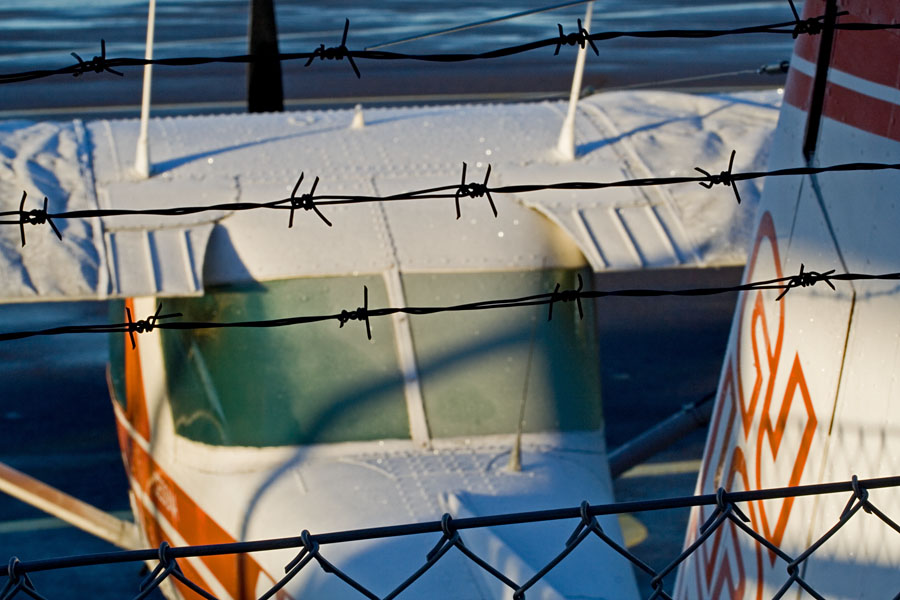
38,32
41,34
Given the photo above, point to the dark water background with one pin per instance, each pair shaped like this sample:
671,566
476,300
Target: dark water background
41,34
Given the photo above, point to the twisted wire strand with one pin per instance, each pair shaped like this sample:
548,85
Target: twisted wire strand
311,202
101,63
365,313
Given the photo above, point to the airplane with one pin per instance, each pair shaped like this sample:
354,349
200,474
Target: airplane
249,434
808,388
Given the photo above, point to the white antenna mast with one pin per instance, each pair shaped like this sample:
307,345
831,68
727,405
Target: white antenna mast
142,154
566,144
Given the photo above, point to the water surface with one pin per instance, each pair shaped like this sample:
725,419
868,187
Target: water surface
42,33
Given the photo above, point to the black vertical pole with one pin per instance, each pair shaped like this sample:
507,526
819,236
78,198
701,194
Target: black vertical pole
817,102
264,92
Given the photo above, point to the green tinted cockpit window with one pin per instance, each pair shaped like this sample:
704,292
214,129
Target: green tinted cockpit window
473,364
310,383
318,383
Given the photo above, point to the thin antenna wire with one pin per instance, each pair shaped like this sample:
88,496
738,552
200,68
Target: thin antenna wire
666,82
515,455
478,24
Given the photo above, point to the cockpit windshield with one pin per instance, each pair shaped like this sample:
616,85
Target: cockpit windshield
312,383
320,383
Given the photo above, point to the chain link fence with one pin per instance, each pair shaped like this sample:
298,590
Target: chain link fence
727,514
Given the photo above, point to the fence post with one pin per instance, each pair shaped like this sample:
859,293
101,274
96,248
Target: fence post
264,91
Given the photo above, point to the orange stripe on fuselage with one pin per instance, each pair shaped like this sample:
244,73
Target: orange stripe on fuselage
238,574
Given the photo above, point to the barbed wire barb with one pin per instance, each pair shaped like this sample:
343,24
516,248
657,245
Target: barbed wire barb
360,314
566,296
806,279
305,201
812,25
335,52
725,178
474,190
577,38
145,325
98,64
37,216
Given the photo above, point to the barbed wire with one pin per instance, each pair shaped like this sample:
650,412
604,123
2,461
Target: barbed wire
364,313
310,545
450,529
510,16
580,37
311,202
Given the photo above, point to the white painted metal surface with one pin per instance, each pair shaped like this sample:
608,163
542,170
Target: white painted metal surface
809,387
257,158
260,493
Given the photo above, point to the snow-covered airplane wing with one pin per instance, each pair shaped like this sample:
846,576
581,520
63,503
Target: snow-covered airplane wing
258,158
